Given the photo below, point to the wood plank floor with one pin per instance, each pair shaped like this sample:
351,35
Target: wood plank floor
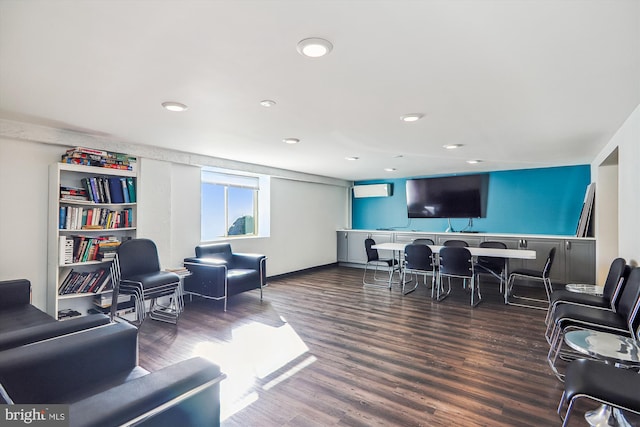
321,350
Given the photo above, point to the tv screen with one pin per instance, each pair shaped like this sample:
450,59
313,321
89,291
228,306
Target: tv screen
463,196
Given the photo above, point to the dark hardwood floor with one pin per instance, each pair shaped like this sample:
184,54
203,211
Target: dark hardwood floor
321,350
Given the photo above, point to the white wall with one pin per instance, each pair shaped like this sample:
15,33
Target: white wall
304,214
627,141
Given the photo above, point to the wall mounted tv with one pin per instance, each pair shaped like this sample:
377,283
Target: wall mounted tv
463,196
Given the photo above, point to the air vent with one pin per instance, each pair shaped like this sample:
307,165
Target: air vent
371,190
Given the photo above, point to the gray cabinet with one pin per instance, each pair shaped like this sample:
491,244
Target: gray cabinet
574,261
580,261
355,244
542,248
343,246
472,241
410,237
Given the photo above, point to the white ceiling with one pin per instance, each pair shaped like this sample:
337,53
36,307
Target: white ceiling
522,84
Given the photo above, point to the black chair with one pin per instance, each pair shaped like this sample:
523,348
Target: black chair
602,383
492,266
418,260
625,321
373,258
528,274
457,262
423,241
618,272
136,271
456,243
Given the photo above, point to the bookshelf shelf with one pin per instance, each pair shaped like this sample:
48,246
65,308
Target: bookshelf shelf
69,277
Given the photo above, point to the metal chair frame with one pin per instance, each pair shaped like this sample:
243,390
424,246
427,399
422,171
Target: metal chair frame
374,258
556,351
480,269
157,311
457,273
417,270
543,277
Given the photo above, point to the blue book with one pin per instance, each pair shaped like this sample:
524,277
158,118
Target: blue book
63,217
125,191
115,188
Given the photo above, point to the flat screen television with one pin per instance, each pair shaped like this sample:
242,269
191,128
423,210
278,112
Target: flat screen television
463,196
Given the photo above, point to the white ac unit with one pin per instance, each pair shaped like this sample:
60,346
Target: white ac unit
371,190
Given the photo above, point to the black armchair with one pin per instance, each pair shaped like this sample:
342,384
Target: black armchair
95,372
22,323
218,273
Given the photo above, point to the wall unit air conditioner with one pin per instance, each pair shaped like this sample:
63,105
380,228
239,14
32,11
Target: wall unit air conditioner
372,190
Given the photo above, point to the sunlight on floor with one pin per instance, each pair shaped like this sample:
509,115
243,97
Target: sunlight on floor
255,352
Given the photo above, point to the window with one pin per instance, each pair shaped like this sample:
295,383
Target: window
230,204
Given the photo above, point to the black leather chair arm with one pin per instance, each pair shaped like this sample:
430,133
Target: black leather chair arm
45,331
250,261
14,293
212,268
157,398
65,364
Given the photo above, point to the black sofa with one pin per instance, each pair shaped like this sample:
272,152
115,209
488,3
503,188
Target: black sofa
21,323
217,272
96,373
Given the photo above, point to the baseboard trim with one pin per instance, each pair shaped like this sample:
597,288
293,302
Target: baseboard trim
304,270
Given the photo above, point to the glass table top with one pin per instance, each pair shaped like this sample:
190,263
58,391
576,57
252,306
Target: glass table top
603,345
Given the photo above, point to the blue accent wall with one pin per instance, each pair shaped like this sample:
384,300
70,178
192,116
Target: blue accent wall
529,201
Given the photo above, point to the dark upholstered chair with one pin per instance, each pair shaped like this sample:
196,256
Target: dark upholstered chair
136,271
373,259
492,266
456,243
625,321
529,274
218,273
96,373
418,260
602,383
423,241
22,323
613,286
457,262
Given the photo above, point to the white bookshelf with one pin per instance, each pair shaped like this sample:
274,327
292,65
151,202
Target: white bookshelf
70,175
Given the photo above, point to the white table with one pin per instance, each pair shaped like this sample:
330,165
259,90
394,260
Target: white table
398,248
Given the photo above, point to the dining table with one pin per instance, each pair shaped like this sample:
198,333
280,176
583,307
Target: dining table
398,250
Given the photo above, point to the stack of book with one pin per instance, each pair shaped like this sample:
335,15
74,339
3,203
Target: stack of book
78,282
73,194
114,189
78,218
107,249
101,158
103,300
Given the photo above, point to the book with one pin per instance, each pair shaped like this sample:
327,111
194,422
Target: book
115,188
125,190
132,190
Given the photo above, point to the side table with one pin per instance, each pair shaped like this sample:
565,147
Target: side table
179,298
610,348
585,288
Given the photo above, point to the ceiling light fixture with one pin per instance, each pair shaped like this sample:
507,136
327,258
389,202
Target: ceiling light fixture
291,140
389,169
473,162
174,106
314,47
453,146
352,158
412,117
267,103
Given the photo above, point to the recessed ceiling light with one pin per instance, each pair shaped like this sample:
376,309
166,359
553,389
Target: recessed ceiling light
413,117
473,162
291,140
389,169
314,47
174,106
352,158
267,103
453,146
398,156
